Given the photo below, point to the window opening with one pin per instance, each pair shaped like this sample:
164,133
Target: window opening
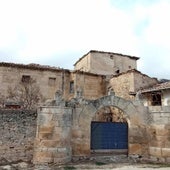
111,57
72,87
26,78
117,71
52,81
156,99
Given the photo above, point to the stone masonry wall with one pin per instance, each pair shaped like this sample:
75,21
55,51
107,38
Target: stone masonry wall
65,132
17,133
90,86
105,63
159,133
52,142
129,83
49,81
122,85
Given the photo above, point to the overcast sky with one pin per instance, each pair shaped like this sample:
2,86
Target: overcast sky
59,32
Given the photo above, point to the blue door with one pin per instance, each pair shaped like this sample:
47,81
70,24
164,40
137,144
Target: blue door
109,135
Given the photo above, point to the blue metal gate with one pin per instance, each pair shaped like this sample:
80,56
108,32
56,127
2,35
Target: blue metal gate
109,135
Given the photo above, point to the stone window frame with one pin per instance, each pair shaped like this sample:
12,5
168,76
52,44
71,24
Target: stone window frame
156,98
52,81
71,87
111,57
25,78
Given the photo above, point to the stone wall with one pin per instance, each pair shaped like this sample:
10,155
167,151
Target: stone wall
53,137
127,84
142,81
122,85
159,133
83,64
49,80
105,63
65,132
90,86
134,114
17,133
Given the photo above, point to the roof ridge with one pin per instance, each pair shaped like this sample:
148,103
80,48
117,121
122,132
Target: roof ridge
96,51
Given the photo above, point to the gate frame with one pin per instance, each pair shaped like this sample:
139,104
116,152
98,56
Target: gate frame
109,150
135,115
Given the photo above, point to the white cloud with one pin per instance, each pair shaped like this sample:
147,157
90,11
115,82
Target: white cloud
153,42
43,31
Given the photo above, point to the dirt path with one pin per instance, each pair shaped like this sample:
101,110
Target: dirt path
114,167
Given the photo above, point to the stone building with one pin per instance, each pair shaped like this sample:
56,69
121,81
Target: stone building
115,123
92,78
157,95
105,63
127,84
52,79
100,107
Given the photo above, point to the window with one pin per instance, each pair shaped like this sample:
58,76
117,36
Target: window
52,81
111,57
156,99
72,87
117,71
26,78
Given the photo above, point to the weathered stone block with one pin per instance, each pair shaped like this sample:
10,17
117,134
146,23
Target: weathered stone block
44,119
155,151
60,155
46,129
62,160
135,149
81,149
166,152
43,157
155,143
49,143
160,130
167,144
167,159
76,133
45,136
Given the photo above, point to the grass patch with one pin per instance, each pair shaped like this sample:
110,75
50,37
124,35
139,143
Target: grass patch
100,163
69,168
164,165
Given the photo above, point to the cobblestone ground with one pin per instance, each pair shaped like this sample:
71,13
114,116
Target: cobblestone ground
120,162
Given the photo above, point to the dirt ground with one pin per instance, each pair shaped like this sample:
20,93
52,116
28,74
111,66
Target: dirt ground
114,162
87,166
120,162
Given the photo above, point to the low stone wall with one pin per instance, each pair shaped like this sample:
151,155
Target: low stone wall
17,133
159,132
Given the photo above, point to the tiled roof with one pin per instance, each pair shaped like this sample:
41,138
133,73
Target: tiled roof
111,53
157,87
130,71
31,66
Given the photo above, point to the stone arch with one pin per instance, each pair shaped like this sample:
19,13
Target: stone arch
129,108
110,114
134,114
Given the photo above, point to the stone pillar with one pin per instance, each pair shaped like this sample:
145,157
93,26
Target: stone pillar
53,136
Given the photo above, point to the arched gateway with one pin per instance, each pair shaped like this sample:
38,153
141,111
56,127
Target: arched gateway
70,129
103,118
109,131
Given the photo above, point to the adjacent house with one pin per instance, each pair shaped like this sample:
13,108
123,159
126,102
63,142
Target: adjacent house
127,84
156,95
